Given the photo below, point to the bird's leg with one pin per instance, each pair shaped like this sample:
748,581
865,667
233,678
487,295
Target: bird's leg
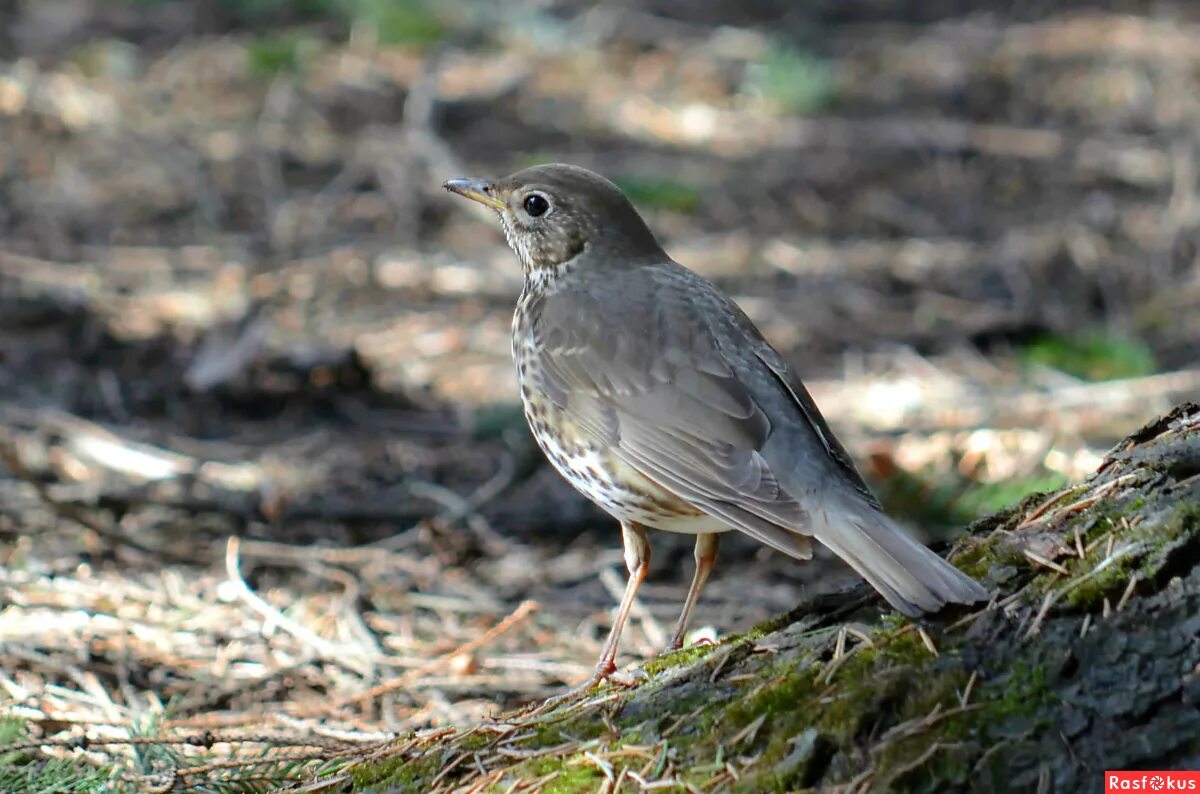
637,560
706,558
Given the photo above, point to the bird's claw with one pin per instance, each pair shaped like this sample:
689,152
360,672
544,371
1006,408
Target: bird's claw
605,674
679,646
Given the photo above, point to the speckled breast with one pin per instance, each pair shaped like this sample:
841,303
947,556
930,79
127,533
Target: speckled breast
589,465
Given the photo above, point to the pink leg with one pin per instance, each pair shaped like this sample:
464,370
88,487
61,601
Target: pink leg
637,560
706,558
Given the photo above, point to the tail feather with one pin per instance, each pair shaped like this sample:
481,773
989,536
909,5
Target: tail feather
911,577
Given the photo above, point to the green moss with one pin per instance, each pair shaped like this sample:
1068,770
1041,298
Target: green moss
777,623
547,734
573,773
863,681
894,758
951,763
1138,550
695,700
780,696
679,658
1090,593
870,691
1092,355
979,556
398,772
1021,691
869,687
783,706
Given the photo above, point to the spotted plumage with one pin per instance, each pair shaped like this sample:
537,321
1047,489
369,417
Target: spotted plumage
653,394
589,465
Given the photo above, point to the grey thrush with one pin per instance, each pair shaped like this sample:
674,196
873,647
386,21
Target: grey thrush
654,395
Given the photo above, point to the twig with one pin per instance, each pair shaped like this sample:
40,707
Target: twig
341,655
1046,563
1048,601
522,612
1125,596
965,698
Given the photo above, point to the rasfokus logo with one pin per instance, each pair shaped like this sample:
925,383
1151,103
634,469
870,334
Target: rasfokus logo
1125,780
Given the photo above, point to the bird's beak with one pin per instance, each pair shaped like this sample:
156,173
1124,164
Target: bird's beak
481,190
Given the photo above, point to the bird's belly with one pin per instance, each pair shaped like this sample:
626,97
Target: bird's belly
614,486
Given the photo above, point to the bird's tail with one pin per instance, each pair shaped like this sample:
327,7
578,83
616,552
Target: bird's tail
911,577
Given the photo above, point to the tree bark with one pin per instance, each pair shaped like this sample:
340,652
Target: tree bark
1087,660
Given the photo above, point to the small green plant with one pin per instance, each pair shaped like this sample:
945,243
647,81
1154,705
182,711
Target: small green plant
661,193
936,500
11,730
1091,355
23,771
792,80
399,22
983,498
278,53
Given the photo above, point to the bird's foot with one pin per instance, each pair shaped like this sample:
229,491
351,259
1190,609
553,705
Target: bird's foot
606,673
677,643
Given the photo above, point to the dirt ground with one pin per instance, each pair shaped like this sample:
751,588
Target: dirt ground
261,465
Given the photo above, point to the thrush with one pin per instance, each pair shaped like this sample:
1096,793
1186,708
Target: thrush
654,395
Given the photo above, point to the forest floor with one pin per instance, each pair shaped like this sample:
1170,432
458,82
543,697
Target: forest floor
262,474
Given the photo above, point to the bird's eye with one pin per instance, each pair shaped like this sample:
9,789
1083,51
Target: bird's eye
536,204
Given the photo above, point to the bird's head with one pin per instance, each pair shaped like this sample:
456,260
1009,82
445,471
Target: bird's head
554,213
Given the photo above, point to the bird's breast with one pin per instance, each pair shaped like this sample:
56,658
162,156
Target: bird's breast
589,463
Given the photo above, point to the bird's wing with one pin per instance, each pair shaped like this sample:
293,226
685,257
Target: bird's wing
657,389
790,382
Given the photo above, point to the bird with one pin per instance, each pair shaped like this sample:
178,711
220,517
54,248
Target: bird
654,395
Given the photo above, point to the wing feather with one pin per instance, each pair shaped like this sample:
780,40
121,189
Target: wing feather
660,393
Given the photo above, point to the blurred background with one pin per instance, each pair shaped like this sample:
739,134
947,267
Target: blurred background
236,303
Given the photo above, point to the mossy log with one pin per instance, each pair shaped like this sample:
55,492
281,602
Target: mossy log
1087,659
